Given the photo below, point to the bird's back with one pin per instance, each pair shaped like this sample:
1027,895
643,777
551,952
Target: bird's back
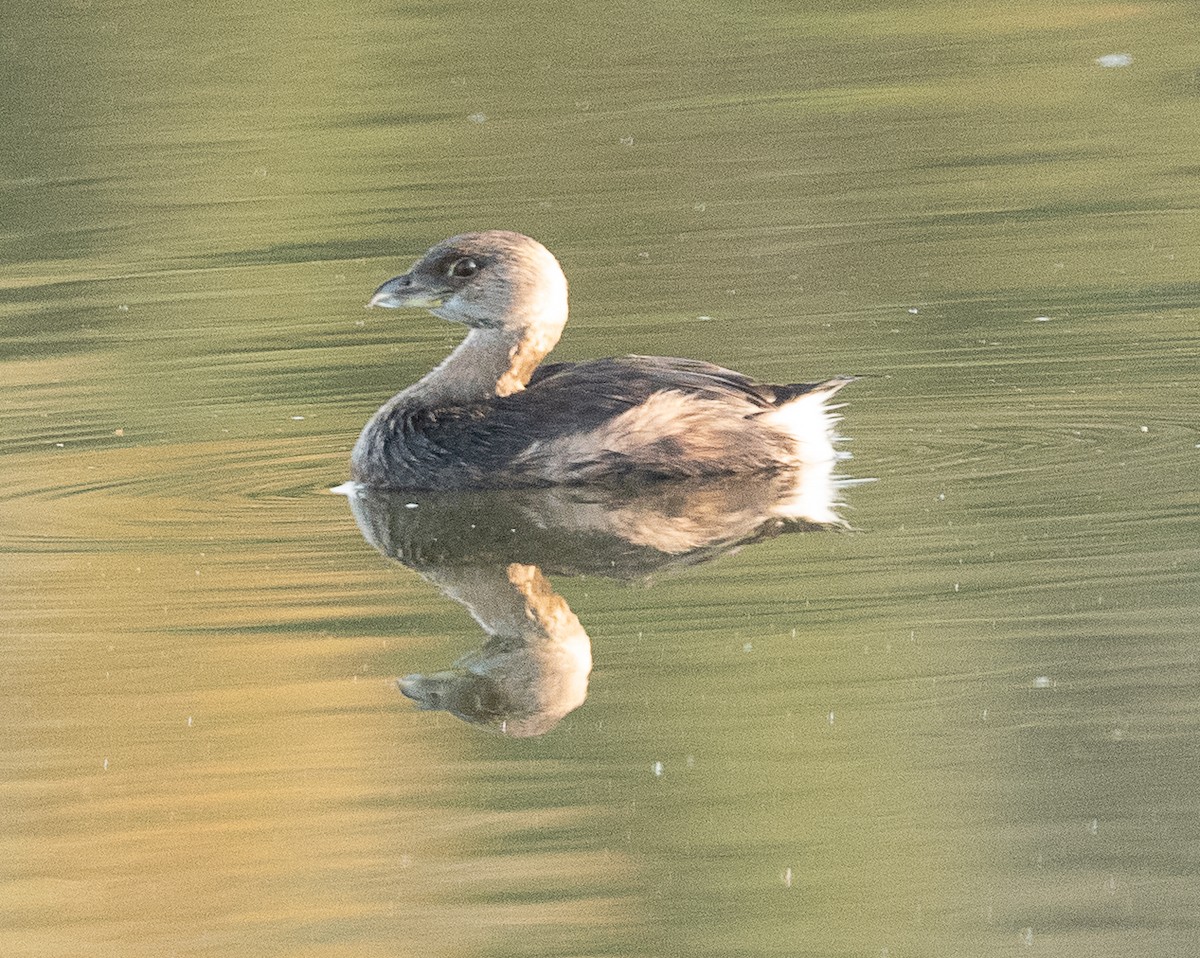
604,420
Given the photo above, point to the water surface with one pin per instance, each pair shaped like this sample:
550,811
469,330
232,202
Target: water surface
967,726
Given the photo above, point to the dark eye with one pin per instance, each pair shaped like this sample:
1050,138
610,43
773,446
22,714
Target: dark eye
464,268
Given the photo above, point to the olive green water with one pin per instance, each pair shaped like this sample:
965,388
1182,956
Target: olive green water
969,727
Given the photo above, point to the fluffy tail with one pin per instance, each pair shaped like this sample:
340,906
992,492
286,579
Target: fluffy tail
801,413
793,391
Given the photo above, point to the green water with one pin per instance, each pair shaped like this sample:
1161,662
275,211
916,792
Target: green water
967,727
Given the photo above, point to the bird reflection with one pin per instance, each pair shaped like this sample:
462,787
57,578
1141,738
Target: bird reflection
491,552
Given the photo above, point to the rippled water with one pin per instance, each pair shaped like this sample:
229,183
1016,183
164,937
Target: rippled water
967,725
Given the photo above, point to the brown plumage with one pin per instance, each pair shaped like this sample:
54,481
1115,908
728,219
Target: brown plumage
489,417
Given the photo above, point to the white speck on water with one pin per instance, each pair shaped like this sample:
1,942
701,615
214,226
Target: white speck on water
913,311
830,718
60,445
1041,319
1114,60
1043,682
1094,827
297,419
955,586
985,714
657,768
643,255
690,761
699,207
106,764
787,878
1144,428
626,141
123,308
478,117
704,319
941,497
189,721
1027,937
410,505
747,646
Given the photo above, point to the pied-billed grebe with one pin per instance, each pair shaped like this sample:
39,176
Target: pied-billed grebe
490,417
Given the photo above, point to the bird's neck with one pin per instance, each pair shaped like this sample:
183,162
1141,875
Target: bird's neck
487,364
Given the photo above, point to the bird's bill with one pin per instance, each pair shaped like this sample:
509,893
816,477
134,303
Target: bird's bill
403,291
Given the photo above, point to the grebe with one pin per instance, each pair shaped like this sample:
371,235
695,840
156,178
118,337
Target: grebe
490,417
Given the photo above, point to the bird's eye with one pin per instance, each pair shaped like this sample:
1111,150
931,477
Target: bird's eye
464,268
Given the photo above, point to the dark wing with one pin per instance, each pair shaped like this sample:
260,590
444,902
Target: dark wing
474,444
638,377
630,380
